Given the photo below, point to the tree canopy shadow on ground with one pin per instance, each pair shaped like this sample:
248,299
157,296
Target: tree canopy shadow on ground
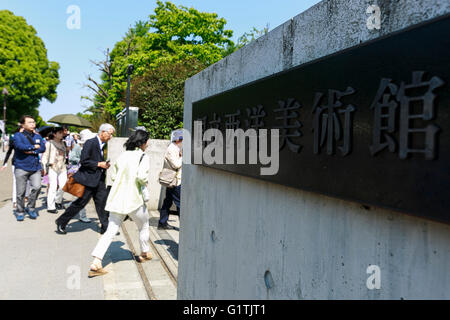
172,247
120,254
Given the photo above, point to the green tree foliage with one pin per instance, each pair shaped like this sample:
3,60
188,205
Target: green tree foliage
40,122
159,93
174,44
25,69
181,32
171,34
248,37
245,39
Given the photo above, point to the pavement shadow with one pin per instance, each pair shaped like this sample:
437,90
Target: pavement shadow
116,253
172,247
174,227
38,210
41,208
6,200
153,222
79,226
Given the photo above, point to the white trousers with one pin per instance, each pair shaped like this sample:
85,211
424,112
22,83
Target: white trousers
55,193
140,217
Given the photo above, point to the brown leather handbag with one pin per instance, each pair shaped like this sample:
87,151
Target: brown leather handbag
73,187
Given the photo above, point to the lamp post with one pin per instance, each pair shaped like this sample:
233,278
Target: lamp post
5,93
127,116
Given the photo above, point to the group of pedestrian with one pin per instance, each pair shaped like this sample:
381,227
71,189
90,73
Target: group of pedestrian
92,175
83,158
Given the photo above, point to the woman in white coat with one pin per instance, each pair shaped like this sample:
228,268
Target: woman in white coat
130,177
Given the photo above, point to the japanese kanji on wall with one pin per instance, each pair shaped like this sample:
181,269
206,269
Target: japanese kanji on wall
370,124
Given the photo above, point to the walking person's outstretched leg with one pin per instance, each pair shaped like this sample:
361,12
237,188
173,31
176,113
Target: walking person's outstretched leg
73,209
115,221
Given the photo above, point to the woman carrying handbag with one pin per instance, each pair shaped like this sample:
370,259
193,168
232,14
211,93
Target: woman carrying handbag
127,197
53,162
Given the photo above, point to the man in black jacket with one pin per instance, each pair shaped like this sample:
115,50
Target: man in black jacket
92,174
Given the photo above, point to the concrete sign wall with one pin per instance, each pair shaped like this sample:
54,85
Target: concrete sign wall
359,132
243,238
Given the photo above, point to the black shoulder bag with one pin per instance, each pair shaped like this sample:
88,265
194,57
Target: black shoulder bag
29,139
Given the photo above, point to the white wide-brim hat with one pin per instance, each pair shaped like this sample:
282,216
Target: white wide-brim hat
85,135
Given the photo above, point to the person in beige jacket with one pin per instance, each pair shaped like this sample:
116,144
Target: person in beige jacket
173,160
130,177
54,160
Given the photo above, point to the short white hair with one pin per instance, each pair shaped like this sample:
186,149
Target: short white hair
105,127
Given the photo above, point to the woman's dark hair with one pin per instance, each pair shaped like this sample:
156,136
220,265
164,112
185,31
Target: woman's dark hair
57,129
137,139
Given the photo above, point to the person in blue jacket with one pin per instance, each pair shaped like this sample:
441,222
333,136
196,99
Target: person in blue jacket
5,165
27,147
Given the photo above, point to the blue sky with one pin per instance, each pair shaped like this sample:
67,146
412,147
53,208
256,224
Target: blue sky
104,22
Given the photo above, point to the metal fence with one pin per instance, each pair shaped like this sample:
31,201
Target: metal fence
127,121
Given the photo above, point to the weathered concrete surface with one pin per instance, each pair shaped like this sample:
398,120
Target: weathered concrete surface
156,151
315,247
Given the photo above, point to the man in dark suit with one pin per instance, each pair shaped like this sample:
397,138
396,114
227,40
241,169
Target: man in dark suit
92,174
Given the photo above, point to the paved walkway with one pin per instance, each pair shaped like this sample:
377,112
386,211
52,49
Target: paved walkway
38,263
160,274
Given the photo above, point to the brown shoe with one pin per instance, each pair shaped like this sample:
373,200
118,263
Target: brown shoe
141,258
99,272
93,272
